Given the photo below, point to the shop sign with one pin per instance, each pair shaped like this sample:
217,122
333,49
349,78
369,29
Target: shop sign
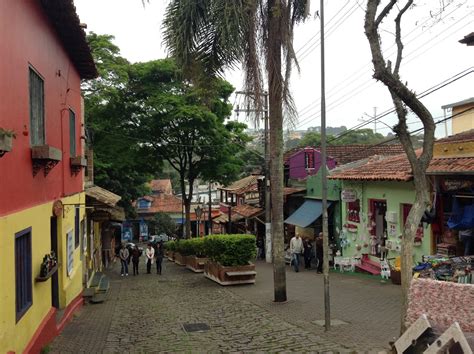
348,195
456,184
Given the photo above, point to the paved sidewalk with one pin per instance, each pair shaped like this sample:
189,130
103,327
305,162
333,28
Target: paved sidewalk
147,313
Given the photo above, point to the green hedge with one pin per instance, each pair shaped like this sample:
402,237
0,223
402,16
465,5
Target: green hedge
230,250
191,247
170,246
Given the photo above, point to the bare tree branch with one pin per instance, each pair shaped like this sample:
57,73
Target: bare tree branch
398,37
385,12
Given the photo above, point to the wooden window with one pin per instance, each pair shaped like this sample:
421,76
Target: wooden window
309,159
405,211
23,273
72,133
77,232
37,135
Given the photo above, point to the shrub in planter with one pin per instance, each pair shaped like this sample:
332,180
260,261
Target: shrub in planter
170,248
230,257
196,246
180,247
195,255
230,250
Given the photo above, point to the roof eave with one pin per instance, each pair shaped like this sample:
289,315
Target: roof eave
63,17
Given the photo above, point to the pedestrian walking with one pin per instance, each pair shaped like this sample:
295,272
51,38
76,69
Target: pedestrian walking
123,255
135,259
319,252
296,249
150,255
307,253
159,256
260,248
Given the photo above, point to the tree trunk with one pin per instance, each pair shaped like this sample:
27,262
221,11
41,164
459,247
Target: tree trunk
187,212
402,97
275,82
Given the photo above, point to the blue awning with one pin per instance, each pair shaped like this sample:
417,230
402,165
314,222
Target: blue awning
306,214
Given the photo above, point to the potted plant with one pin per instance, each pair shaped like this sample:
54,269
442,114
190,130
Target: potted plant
195,255
230,259
170,248
179,258
6,140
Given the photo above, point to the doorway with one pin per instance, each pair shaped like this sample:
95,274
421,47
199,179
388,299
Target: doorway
378,210
54,248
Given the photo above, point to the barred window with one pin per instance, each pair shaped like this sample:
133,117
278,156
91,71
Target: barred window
23,277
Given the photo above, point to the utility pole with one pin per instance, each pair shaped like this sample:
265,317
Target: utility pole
375,120
327,304
268,224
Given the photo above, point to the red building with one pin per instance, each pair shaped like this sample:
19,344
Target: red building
44,57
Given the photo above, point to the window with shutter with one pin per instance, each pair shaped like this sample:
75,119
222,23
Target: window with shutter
23,273
37,136
72,133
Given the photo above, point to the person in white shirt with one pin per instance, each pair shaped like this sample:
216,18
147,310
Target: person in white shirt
150,256
296,249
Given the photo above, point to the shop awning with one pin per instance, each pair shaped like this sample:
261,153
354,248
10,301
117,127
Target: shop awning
306,214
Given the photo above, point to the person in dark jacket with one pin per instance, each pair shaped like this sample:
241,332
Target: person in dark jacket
307,253
159,256
319,252
135,259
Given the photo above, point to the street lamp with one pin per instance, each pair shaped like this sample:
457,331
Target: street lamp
198,211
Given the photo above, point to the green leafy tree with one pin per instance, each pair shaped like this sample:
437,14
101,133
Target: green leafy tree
119,163
360,136
217,34
185,125
163,224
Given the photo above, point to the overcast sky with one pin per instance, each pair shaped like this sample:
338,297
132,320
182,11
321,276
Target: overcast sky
432,55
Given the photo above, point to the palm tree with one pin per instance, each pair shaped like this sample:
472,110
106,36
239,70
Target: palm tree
213,35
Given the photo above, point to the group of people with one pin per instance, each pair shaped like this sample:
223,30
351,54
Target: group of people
300,247
153,253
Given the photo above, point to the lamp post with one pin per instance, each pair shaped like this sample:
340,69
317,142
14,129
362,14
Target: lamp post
198,211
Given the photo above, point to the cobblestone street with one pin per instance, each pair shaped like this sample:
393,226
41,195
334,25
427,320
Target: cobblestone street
147,314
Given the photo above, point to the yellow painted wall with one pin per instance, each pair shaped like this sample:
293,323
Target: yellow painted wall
462,122
15,336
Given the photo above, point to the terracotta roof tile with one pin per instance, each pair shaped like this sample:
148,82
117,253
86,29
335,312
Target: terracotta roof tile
396,168
163,203
243,185
451,165
348,153
161,186
458,138
246,210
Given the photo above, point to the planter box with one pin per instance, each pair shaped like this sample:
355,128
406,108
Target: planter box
230,275
170,255
196,264
179,259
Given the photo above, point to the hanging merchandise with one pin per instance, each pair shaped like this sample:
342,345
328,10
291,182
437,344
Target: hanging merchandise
429,216
462,217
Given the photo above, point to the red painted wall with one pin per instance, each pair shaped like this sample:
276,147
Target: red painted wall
27,38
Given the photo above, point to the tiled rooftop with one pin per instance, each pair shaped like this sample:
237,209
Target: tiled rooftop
242,185
161,186
348,153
